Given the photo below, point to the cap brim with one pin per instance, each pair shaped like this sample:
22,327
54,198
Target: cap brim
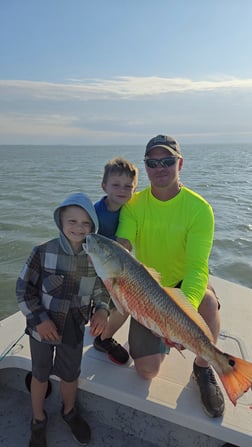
172,151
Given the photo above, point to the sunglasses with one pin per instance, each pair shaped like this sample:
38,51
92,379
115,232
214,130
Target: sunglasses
164,162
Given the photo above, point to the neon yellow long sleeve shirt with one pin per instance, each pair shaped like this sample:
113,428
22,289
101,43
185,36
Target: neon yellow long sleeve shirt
174,237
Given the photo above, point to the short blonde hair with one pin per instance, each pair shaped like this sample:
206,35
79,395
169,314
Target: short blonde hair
119,165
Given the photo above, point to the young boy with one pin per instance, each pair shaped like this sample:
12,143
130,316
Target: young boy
119,182
57,290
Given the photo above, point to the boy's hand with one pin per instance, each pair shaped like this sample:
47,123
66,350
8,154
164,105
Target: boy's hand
48,331
98,322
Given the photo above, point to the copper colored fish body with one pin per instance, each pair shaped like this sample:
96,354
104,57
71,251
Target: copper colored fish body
165,311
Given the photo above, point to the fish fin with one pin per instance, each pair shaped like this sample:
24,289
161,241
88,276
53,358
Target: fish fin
181,353
118,306
111,285
171,344
182,301
237,381
179,348
155,275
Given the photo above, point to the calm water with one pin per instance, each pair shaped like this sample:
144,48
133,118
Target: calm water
34,179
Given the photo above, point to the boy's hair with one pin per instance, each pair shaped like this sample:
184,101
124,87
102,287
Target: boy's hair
119,165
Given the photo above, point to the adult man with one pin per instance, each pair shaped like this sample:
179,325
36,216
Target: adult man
171,229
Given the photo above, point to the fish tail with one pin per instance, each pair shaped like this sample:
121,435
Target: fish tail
238,380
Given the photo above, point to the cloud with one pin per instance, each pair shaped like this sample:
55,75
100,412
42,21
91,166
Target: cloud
124,109
126,87
24,124
41,129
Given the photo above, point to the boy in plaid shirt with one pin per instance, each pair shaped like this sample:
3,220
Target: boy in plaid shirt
57,290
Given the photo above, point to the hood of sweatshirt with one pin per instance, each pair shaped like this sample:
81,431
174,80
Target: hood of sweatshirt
78,199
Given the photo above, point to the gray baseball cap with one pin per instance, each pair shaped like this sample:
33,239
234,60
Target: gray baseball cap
166,142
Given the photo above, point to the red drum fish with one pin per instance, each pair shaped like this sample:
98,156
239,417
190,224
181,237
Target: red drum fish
165,311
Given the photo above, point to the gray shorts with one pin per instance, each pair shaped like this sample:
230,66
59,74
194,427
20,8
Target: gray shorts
143,342
61,360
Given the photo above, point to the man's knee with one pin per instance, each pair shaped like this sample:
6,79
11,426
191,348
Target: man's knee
148,367
210,303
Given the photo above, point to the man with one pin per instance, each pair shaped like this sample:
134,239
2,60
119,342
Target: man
171,229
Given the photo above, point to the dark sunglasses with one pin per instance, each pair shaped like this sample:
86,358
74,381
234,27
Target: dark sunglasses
164,162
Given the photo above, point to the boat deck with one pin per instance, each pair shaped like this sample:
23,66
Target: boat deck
169,403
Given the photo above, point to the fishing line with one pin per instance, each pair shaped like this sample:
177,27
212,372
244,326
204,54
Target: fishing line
10,347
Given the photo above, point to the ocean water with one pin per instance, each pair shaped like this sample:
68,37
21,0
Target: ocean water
35,179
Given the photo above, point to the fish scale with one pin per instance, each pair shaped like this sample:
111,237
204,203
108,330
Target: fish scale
143,302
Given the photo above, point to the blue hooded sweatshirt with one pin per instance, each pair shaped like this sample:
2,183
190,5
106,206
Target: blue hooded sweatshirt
77,199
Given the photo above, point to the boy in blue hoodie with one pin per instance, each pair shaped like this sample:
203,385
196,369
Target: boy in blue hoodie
57,290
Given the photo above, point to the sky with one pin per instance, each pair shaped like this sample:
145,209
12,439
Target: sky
118,72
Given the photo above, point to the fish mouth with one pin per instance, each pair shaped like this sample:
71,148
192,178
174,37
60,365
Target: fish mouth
86,244
91,243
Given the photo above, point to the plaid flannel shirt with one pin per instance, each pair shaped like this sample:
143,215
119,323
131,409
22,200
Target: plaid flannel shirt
52,282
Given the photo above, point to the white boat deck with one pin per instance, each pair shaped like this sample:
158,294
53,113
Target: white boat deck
172,396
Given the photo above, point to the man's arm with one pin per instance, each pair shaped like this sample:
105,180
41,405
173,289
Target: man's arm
198,249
